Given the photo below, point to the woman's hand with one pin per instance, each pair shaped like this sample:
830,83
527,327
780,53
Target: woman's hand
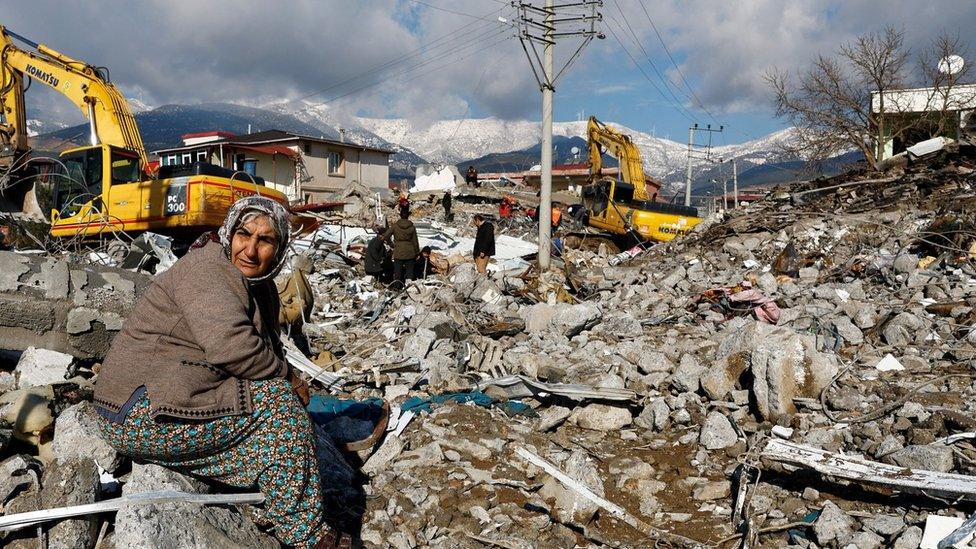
300,386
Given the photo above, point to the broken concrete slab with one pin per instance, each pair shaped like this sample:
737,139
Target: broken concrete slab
567,504
177,524
71,482
601,417
12,267
41,367
36,311
833,526
931,457
717,432
77,435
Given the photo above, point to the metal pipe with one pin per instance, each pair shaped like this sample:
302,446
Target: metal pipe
92,127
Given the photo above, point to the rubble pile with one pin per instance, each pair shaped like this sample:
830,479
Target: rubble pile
797,373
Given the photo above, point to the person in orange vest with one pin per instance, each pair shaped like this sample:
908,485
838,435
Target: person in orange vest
505,208
557,216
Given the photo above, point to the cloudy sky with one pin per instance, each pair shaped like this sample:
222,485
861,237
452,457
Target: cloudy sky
663,65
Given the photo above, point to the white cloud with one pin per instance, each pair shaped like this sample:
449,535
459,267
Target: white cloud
253,51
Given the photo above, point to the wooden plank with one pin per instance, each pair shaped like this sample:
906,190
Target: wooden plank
910,481
30,518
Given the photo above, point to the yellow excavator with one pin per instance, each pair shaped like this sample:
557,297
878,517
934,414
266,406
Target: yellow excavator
107,186
622,207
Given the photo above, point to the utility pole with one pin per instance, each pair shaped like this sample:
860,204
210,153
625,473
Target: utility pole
725,193
584,15
691,142
707,152
735,183
545,194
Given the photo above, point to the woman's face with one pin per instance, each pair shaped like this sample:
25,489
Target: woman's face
252,249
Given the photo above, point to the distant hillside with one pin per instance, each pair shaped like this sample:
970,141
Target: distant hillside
526,158
163,126
753,172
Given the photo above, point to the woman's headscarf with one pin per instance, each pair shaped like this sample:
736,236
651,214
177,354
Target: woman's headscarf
279,219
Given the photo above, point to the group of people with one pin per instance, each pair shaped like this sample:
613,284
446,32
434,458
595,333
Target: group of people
406,261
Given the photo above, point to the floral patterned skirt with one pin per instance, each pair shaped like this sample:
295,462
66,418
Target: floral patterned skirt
272,447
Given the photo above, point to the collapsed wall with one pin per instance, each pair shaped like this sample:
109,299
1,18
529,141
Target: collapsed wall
63,306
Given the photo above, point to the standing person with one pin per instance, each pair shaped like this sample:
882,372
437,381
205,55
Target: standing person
406,248
471,178
375,255
404,201
197,380
424,266
557,217
446,202
484,243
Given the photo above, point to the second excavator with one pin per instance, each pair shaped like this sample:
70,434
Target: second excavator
622,207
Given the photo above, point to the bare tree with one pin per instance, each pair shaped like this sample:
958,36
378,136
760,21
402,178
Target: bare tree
944,72
832,105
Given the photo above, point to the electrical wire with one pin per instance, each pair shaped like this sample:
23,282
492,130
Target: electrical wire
681,110
677,68
488,36
444,41
432,6
667,83
477,87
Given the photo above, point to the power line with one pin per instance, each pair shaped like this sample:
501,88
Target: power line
490,36
673,62
681,110
432,6
667,83
442,41
468,42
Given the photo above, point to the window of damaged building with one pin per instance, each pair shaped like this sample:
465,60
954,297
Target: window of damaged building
335,164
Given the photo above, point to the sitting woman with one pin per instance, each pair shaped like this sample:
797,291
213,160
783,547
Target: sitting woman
197,381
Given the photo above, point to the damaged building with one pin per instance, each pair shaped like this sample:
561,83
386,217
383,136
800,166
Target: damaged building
307,169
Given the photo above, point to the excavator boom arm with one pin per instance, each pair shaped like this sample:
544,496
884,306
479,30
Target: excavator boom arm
623,149
83,84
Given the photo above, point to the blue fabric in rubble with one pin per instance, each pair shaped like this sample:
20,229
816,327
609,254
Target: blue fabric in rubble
345,420
417,404
337,422
510,407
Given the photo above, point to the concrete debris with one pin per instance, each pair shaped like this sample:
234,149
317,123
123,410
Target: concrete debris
717,432
76,435
69,482
41,367
186,525
822,336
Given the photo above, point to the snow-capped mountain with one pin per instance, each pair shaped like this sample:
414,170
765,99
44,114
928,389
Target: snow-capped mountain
465,140
327,120
457,141
46,120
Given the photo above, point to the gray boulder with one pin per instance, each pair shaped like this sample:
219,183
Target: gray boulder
833,526
717,432
601,417
76,435
181,525
929,457
69,482
687,378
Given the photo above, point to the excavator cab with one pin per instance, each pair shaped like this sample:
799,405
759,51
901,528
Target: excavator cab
92,180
